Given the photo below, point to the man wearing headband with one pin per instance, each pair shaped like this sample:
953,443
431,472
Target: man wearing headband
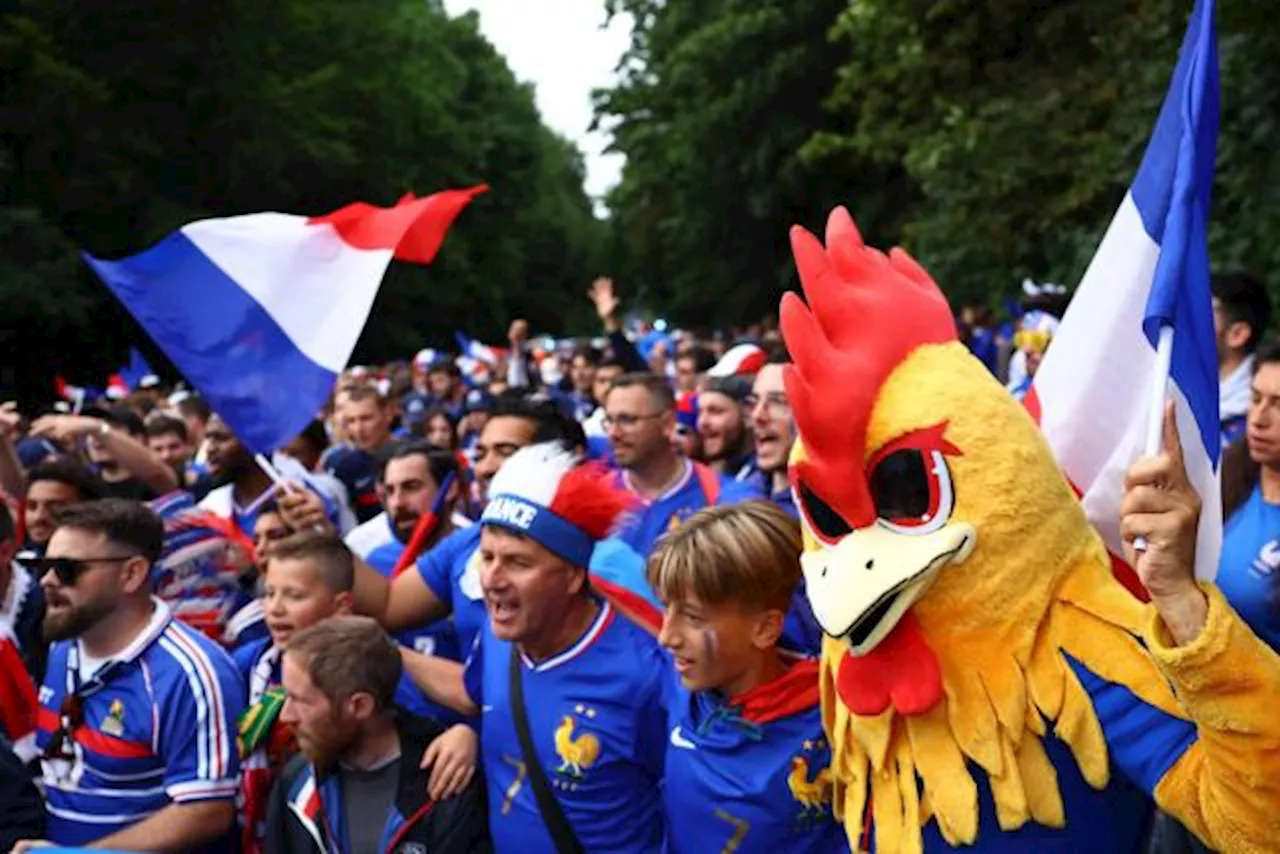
587,679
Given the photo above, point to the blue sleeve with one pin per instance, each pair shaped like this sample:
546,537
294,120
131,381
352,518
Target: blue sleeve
197,733
473,671
1144,741
436,566
616,562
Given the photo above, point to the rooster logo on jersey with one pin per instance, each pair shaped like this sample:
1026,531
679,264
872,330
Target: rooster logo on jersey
578,751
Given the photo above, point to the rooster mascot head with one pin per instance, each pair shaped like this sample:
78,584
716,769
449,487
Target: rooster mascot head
946,558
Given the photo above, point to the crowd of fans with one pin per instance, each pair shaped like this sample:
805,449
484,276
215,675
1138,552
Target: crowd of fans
542,599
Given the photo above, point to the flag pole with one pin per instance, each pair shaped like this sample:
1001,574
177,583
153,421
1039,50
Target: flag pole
1159,394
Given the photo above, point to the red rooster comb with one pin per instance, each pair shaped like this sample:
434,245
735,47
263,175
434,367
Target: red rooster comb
866,313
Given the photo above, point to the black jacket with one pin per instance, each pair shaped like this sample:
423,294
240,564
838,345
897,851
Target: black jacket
459,825
21,810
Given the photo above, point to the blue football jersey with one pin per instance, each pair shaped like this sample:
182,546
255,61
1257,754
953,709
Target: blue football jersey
750,781
598,726
452,572
1249,568
699,487
439,638
157,727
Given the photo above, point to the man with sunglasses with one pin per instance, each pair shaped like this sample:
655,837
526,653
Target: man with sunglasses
136,725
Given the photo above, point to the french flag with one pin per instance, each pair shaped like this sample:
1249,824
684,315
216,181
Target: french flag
475,350
1100,387
74,394
261,312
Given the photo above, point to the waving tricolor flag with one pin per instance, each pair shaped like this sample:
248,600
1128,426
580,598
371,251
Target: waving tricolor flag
1093,393
261,312
474,349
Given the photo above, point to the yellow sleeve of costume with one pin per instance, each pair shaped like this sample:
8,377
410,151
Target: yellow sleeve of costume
1226,787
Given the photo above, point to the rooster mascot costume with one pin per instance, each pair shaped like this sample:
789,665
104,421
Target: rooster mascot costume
987,683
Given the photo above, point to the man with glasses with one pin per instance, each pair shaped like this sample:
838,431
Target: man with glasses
773,431
136,725
641,424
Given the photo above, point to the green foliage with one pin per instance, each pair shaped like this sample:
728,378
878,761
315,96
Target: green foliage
715,102
121,120
994,138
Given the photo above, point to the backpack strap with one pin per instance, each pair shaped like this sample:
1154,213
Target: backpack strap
709,481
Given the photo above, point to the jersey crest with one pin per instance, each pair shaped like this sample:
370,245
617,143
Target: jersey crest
113,723
578,749
809,781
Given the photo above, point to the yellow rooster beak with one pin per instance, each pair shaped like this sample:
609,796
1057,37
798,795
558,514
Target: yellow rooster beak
860,587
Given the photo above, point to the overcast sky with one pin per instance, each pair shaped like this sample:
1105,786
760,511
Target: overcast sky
559,46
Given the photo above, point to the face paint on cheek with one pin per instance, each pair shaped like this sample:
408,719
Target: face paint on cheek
709,646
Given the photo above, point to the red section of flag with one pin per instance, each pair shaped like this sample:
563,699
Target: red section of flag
413,228
1032,402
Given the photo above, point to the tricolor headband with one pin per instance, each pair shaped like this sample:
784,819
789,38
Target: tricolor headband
542,525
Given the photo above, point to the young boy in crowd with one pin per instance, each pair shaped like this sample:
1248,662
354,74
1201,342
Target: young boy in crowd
747,764
308,578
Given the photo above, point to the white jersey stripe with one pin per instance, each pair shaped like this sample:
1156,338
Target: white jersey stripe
219,743
202,706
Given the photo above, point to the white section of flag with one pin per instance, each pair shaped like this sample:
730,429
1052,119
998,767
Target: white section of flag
1094,388
318,288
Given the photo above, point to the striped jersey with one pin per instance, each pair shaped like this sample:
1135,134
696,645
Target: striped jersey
156,726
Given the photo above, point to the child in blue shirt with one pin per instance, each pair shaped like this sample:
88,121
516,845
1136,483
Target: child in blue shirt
747,763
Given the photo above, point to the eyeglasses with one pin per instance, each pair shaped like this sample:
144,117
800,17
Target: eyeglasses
67,569
626,421
775,402
70,716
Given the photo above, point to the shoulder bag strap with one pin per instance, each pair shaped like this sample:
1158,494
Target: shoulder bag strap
562,834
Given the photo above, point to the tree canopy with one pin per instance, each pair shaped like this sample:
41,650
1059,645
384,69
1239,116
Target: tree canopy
122,120
994,139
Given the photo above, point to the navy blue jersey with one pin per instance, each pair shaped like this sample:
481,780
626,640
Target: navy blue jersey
357,470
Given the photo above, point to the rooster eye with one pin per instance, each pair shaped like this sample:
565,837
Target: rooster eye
912,490
826,522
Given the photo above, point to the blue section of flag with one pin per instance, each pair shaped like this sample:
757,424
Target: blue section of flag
1172,193
221,339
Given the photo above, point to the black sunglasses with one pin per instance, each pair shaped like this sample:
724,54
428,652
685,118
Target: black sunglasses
66,569
70,716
